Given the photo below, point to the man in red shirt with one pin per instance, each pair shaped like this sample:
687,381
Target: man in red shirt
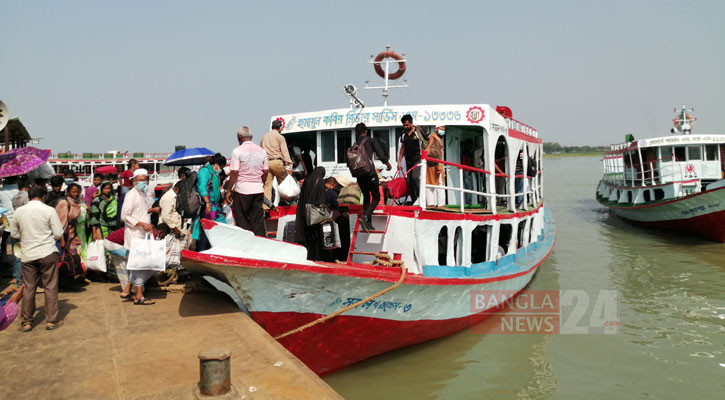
128,173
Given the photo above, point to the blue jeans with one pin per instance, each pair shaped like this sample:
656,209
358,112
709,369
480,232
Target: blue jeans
519,186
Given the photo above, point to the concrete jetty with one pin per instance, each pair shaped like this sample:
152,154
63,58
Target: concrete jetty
113,349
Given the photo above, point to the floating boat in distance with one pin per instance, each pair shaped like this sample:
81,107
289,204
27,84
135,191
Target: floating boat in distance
431,260
85,164
670,182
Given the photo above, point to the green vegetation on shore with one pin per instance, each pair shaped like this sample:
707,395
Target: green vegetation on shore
554,149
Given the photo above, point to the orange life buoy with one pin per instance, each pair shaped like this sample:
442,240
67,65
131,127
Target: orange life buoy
389,54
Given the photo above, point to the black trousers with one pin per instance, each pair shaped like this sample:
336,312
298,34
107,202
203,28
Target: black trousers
248,213
413,182
369,186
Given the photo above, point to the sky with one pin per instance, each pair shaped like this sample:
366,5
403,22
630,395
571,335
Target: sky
94,76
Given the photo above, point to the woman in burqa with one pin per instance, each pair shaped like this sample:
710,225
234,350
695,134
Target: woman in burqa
313,192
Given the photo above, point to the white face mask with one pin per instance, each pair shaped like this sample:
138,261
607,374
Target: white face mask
115,186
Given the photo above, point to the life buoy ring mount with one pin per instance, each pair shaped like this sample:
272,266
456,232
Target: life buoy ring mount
389,54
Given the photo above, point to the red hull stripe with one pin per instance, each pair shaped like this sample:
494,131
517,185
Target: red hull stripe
710,226
346,339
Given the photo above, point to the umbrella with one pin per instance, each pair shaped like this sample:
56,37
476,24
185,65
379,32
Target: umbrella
192,156
106,169
21,160
44,171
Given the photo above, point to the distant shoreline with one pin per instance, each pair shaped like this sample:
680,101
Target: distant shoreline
588,154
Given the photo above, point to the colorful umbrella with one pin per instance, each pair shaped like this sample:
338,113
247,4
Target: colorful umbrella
21,160
192,156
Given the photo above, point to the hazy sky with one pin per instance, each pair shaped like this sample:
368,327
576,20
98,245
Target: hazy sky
148,75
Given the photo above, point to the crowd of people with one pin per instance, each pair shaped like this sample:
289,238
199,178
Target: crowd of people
52,223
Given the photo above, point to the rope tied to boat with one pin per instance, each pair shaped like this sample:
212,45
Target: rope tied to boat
324,318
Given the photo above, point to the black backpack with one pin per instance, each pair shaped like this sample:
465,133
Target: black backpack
358,159
188,201
531,169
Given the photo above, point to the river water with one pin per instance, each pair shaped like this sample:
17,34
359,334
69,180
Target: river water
670,303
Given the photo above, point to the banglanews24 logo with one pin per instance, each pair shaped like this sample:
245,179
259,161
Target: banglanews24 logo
544,312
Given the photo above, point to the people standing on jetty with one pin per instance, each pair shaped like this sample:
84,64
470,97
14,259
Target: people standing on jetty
369,183
102,216
135,217
207,184
56,191
8,191
435,175
313,193
412,142
169,215
91,190
249,170
37,226
126,175
279,161
19,200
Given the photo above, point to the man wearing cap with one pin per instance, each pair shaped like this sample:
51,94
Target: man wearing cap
369,185
279,161
135,216
249,170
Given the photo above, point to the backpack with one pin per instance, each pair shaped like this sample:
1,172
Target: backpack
531,169
188,201
358,159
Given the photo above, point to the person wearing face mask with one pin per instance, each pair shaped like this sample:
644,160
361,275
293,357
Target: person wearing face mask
412,142
207,184
435,174
137,222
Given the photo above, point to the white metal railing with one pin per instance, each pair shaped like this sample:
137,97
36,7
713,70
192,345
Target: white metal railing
491,198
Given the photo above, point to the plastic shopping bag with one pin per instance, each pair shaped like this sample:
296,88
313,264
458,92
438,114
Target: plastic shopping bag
147,254
289,189
96,256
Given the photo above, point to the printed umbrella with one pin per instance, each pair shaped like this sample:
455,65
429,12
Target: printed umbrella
21,160
192,156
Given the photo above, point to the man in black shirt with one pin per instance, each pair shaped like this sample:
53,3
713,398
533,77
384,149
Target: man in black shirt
411,142
369,185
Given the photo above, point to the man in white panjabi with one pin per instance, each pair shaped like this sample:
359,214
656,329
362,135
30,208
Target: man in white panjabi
137,221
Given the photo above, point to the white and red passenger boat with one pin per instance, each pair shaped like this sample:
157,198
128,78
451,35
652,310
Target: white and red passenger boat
671,182
479,240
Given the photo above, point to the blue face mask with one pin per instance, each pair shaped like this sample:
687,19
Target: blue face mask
68,181
141,186
441,132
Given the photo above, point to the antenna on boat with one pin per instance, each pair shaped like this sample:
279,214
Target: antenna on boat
683,121
381,63
351,91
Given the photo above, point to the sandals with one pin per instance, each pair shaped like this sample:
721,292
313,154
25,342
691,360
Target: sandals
27,328
54,325
143,302
127,296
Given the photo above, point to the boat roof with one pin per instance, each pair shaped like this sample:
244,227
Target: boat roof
482,115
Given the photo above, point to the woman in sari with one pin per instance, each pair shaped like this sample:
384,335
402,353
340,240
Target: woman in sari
207,184
104,208
72,213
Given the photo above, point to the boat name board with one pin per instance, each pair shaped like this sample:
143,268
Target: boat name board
374,304
383,116
683,139
699,209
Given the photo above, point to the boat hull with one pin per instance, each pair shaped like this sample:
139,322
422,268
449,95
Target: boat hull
702,214
284,296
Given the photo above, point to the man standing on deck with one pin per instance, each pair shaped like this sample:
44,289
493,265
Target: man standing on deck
128,174
249,168
279,161
411,143
37,226
369,184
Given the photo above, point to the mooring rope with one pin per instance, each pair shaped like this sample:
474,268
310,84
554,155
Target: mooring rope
381,258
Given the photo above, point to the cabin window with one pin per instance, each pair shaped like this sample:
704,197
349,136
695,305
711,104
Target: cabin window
666,153
629,196
504,238
647,196
458,246
479,244
383,136
328,146
443,246
694,153
659,194
520,236
680,153
711,152
344,141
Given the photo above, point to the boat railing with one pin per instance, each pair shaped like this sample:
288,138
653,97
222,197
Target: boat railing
106,157
490,197
655,172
